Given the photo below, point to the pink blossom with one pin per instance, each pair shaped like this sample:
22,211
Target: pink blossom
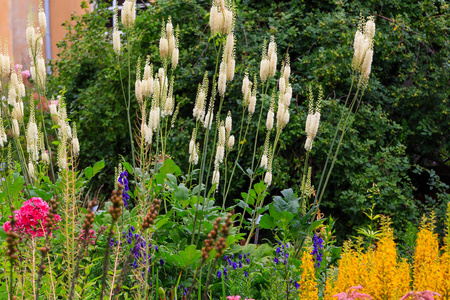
25,73
31,218
352,294
422,295
237,297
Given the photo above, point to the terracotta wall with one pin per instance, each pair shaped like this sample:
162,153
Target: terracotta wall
13,24
60,11
5,31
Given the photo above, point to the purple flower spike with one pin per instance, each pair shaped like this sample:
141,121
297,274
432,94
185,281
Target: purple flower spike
219,274
124,181
161,261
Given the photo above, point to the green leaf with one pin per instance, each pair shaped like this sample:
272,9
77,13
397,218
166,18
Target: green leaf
98,166
188,257
260,187
181,193
172,180
128,167
88,172
267,222
169,167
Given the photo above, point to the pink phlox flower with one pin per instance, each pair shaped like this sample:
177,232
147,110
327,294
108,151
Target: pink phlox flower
421,295
237,297
353,294
31,218
25,73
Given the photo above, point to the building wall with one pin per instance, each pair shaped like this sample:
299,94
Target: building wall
5,31
13,24
60,11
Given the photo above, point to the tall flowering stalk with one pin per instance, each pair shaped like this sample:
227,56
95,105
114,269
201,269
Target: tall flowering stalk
361,68
317,250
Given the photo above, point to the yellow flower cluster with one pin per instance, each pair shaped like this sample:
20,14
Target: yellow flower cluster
308,285
381,273
378,270
431,270
426,259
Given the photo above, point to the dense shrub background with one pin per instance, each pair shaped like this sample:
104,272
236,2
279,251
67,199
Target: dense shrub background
396,154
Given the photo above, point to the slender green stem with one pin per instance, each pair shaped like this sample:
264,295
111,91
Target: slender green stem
252,177
210,163
305,167
130,132
240,146
205,145
337,149
330,151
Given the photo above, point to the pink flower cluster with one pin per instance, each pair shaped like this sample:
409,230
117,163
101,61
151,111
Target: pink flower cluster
31,218
90,236
423,295
353,294
237,297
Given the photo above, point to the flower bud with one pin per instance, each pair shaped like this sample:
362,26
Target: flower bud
163,47
116,41
367,64
31,169
171,42
252,105
282,85
228,123
228,21
175,54
264,161
15,128
222,83
264,69
45,157
230,142
269,121
268,178
75,146
230,69
42,21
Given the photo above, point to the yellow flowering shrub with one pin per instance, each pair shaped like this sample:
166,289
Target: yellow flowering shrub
308,284
426,258
384,276
444,285
378,270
